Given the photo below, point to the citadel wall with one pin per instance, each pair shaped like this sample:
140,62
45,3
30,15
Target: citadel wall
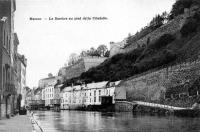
152,85
171,27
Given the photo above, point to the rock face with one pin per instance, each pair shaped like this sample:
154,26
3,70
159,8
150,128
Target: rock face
153,85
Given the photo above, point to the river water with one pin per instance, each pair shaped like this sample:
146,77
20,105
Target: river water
82,121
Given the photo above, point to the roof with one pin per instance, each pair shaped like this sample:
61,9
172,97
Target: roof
96,85
67,89
90,86
49,78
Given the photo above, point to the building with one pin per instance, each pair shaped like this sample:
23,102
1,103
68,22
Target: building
36,101
21,64
80,66
47,86
56,100
51,80
49,95
7,85
93,94
117,47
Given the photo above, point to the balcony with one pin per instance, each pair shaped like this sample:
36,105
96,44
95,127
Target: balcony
9,89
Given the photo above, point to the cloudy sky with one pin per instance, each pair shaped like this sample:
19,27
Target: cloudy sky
48,43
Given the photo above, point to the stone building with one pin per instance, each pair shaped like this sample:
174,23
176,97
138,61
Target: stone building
82,65
12,80
7,86
52,80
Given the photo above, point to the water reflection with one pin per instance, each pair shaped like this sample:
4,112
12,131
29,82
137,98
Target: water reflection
108,122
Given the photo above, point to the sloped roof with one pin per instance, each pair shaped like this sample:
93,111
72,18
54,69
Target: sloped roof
67,89
97,85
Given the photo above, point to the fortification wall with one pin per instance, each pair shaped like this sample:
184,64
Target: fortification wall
169,28
153,85
81,66
75,70
93,61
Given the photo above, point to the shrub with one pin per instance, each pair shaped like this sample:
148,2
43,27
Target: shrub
197,16
163,41
189,27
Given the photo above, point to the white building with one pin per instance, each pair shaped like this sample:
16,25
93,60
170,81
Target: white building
90,94
48,94
47,85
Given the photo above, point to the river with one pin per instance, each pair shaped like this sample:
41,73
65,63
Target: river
82,121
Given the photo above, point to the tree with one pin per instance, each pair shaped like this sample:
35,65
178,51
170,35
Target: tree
72,58
179,6
50,75
102,49
129,39
157,21
107,54
92,51
83,53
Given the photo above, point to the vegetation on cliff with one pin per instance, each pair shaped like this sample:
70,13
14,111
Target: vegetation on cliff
179,6
168,49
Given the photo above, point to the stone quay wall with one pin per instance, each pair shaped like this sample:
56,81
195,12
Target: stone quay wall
152,85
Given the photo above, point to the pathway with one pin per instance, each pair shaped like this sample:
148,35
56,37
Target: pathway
158,105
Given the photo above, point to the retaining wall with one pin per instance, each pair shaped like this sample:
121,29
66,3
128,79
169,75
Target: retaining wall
152,85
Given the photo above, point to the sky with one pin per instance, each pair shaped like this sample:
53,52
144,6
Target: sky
47,44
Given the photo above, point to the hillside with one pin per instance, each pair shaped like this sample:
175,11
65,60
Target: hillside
169,49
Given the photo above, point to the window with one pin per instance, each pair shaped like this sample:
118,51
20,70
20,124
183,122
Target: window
99,99
94,92
99,92
94,99
9,46
4,37
7,42
4,77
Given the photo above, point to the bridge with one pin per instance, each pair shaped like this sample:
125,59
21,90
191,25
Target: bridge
130,106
